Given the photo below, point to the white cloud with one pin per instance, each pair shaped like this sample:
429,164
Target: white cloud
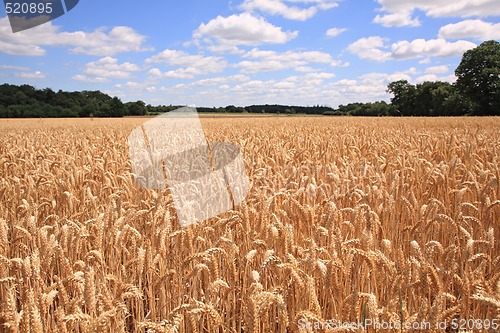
433,77
20,49
22,72
181,73
437,69
375,48
190,64
291,90
432,47
345,83
221,80
425,61
118,40
130,85
17,68
333,32
319,76
31,75
383,79
243,29
338,63
436,8
284,85
134,89
85,78
266,61
476,29
304,69
369,87
279,7
315,79
369,48
225,49
99,42
108,67
309,56
399,19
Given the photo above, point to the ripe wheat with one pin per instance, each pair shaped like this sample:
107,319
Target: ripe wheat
347,220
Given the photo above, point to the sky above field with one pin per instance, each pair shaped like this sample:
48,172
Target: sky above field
242,52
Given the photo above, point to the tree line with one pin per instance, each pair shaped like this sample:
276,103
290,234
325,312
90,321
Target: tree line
26,101
476,92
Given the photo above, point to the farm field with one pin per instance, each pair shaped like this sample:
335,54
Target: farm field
348,220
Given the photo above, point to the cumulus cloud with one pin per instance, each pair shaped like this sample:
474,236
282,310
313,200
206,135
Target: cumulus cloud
85,78
370,48
437,69
181,73
20,49
432,47
398,13
243,29
375,48
31,75
333,32
100,42
109,67
383,79
434,77
370,87
18,68
221,80
225,49
266,61
291,90
280,7
304,69
189,65
316,79
476,29
345,83
21,72
400,19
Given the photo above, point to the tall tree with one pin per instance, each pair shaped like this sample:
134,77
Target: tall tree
404,97
478,77
136,108
116,107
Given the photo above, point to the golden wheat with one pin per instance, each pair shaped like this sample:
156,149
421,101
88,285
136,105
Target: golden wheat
348,219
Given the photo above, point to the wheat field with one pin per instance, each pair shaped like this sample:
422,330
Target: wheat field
347,219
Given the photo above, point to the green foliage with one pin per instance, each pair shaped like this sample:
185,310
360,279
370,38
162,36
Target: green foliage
332,113
156,110
404,97
428,99
478,77
28,102
234,109
136,108
286,109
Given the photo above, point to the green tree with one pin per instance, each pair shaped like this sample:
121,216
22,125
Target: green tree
456,104
3,111
404,97
478,77
116,107
430,97
136,108
87,109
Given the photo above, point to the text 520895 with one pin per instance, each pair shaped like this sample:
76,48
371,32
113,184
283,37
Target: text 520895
28,8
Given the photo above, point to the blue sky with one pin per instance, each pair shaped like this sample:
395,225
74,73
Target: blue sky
242,52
